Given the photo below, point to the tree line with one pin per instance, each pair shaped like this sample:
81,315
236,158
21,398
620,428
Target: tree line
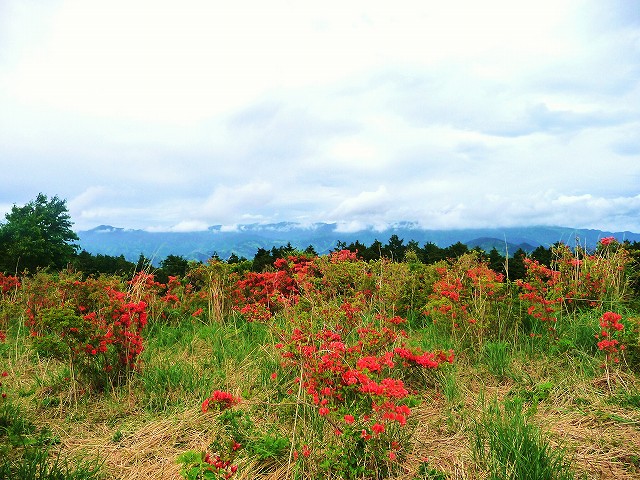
38,235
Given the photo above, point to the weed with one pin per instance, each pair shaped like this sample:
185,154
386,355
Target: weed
497,358
508,447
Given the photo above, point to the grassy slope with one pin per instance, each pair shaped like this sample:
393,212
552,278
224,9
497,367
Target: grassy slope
139,430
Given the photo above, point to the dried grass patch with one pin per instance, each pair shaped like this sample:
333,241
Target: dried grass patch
147,448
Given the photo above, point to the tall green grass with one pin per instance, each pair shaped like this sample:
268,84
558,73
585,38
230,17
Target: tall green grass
508,447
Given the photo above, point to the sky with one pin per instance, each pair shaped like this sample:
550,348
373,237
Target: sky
175,116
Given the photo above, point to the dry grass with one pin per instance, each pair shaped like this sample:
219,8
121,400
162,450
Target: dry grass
601,437
137,446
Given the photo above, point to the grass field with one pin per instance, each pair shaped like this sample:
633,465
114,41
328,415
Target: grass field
518,400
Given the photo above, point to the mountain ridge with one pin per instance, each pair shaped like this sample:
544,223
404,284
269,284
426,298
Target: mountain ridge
244,240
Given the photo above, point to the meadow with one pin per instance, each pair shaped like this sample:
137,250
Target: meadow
325,367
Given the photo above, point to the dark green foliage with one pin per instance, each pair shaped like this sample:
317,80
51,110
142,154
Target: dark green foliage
431,253
172,266
456,250
37,235
262,259
394,249
516,265
233,259
144,264
496,261
90,264
542,255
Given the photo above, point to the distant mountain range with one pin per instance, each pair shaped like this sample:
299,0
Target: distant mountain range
245,240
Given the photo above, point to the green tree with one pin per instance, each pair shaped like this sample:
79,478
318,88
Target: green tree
37,235
456,250
174,265
431,253
496,261
542,255
517,269
394,249
144,264
262,259
90,264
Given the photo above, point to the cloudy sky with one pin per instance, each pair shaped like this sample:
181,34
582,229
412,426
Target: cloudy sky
169,115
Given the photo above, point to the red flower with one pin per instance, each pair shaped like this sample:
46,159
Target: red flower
222,399
377,428
306,451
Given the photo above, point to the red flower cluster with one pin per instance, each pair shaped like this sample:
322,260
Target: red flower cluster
467,296
607,241
610,324
220,399
542,291
8,283
260,295
101,325
166,302
223,467
355,372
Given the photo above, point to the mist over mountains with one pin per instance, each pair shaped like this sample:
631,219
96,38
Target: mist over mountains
245,240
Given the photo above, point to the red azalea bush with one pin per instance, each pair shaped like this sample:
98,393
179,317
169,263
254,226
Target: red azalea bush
355,381
8,283
541,292
469,298
590,279
91,323
220,400
169,302
9,288
259,296
610,327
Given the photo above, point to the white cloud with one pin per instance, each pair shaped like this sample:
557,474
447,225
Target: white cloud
163,116
184,226
365,204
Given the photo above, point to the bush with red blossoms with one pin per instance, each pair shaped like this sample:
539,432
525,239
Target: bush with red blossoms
259,296
468,298
591,278
92,324
542,292
205,466
169,302
355,381
610,327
